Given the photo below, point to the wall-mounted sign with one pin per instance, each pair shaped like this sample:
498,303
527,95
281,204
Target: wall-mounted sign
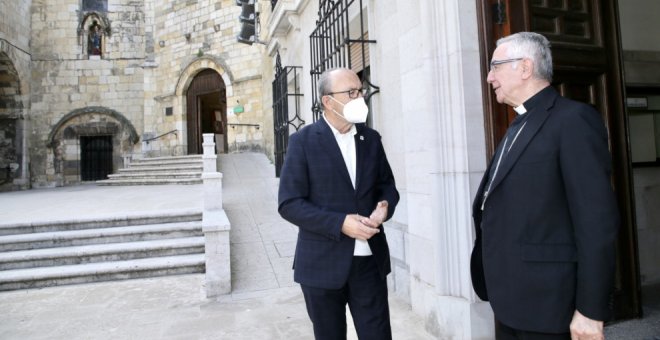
637,102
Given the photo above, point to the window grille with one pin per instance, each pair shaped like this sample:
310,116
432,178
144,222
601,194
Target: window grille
286,108
339,41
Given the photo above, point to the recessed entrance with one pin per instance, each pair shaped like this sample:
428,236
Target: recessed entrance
95,157
206,111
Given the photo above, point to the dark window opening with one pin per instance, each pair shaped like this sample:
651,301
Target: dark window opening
95,5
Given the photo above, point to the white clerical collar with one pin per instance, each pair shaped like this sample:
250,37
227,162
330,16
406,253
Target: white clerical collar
520,109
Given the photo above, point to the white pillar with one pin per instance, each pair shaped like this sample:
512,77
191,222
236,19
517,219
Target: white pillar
459,164
209,157
215,226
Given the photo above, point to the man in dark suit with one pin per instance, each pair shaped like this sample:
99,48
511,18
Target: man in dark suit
545,214
336,185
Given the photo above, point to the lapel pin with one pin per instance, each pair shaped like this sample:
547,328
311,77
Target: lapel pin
361,137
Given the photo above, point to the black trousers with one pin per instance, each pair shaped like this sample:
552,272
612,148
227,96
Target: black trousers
504,332
365,292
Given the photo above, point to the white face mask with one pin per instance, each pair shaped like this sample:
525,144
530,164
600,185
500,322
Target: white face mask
355,111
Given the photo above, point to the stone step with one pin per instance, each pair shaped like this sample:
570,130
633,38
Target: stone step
165,169
159,171
103,271
146,175
167,158
161,163
100,253
99,235
115,220
187,181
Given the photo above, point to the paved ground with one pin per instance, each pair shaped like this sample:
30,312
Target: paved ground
265,303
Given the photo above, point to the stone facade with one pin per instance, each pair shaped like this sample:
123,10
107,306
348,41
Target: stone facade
138,67
14,94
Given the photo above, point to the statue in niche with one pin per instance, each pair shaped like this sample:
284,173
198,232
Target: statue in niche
94,39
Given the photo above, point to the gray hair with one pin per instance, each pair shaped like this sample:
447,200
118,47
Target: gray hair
325,83
533,46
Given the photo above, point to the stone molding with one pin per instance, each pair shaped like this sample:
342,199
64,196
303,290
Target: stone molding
125,123
214,63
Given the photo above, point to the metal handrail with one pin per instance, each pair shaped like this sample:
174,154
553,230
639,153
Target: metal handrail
240,124
166,133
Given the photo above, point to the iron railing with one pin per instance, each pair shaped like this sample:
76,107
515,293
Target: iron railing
286,108
175,131
333,42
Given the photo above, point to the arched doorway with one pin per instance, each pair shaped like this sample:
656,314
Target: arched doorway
89,143
206,111
11,125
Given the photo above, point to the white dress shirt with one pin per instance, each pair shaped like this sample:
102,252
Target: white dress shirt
346,143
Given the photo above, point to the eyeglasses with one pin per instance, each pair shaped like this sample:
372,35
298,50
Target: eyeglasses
495,63
352,93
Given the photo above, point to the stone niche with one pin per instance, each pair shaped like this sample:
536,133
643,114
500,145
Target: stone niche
64,140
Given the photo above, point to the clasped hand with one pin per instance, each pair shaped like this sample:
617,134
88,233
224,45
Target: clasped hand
363,228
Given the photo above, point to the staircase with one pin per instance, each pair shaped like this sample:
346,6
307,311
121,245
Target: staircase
105,249
159,170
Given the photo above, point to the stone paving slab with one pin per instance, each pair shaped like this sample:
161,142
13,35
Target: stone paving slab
167,308
265,302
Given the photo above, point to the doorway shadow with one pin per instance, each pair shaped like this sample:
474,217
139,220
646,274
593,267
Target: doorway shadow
645,328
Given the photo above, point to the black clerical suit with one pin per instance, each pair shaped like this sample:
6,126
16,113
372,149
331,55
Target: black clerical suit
546,230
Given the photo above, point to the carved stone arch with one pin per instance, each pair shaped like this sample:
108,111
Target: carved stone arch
87,18
64,140
199,64
191,133
10,86
124,123
13,111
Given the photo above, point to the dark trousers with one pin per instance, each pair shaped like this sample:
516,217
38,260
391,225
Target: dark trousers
504,332
366,295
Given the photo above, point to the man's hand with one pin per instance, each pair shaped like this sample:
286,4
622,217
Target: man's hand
378,216
353,227
583,328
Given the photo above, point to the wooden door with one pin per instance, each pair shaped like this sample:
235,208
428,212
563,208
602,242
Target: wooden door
584,35
205,82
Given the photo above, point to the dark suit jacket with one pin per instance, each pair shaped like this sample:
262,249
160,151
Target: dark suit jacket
545,240
316,194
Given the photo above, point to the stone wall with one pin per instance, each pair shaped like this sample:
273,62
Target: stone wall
65,78
149,53
14,94
190,36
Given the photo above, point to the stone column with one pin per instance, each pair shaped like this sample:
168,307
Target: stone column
215,226
438,122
